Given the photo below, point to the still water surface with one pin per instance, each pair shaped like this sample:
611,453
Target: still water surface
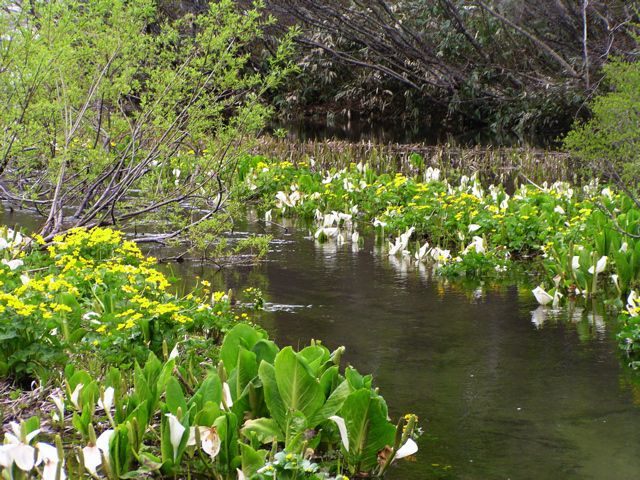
498,396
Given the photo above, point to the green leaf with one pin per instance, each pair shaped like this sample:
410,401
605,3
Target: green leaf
369,430
240,336
252,460
174,397
272,398
297,386
332,405
266,430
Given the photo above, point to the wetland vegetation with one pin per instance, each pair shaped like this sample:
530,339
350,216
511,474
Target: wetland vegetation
136,129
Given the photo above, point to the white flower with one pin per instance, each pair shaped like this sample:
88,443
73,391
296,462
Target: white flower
210,441
379,223
476,245
267,216
575,262
542,297
49,455
176,432
632,303
601,264
474,227
226,396
92,454
176,172
16,451
342,427
24,278
90,315
59,403
624,247
106,402
355,237
75,395
3,243
175,353
559,210
12,264
422,252
409,448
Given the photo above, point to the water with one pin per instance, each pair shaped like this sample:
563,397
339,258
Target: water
497,396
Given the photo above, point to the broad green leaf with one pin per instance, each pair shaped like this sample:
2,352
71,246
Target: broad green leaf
332,405
368,429
174,397
297,386
265,350
272,398
266,430
252,460
240,336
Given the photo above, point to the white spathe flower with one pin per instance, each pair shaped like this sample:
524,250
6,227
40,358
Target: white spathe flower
559,210
210,441
90,315
176,172
409,448
175,352
12,264
474,227
3,243
92,454
632,304
556,298
422,252
600,266
176,432
615,280
379,223
355,237
329,219
575,262
59,403
16,451
342,428
226,396
24,278
75,395
624,247
541,295
476,245
106,402
267,216
49,455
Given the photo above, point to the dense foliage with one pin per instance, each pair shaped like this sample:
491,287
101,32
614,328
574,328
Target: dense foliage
497,64
110,112
609,142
